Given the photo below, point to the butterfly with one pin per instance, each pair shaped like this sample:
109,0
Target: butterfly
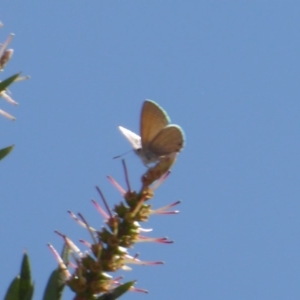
158,137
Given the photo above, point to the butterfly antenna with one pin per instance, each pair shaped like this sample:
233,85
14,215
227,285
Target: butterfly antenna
118,156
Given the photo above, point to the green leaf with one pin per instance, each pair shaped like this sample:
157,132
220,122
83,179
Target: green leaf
26,287
21,287
30,293
7,82
55,286
65,254
13,290
117,292
57,279
5,151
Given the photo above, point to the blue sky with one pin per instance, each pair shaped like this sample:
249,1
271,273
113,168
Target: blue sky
227,72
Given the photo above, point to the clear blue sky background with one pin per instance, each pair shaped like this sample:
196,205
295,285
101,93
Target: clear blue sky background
227,72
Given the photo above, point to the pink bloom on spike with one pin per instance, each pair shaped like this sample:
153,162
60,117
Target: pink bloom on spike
164,210
154,240
5,55
7,115
116,185
74,217
101,210
133,260
5,58
8,98
60,262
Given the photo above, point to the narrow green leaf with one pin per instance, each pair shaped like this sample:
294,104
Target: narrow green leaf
5,151
117,292
13,290
55,286
65,254
29,293
7,82
26,287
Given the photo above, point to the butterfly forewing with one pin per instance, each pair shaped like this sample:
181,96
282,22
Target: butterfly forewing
169,140
153,120
133,138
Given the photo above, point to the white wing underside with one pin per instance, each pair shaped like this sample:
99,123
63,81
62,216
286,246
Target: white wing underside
136,143
133,138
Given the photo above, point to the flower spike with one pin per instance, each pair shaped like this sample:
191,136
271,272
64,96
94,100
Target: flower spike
108,250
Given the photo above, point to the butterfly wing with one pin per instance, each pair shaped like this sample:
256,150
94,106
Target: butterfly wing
134,139
153,120
169,140
158,138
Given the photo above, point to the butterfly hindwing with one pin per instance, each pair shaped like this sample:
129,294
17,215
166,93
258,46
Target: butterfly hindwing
169,140
153,120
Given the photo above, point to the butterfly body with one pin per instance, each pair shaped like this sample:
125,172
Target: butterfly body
158,137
